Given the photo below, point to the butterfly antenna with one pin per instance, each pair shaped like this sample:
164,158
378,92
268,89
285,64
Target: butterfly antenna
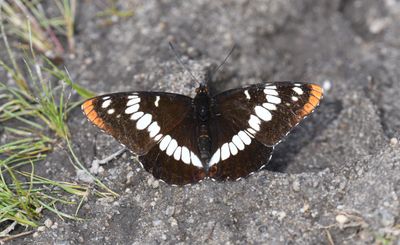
181,63
223,62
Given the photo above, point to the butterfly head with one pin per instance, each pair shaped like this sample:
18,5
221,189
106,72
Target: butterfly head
202,89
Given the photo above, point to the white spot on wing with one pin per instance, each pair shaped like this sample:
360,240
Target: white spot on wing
215,158
157,100
273,99
251,132
225,151
165,142
111,111
177,153
171,147
133,101
143,122
246,92
254,122
185,155
135,116
195,160
158,137
106,103
294,98
263,113
270,87
133,96
153,129
132,109
233,149
298,90
106,97
238,142
244,137
270,92
269,106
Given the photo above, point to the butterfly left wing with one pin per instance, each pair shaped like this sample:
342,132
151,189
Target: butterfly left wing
268,111
249,122
137,119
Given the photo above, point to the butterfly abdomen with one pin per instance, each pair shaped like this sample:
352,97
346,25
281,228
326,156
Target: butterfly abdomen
202,112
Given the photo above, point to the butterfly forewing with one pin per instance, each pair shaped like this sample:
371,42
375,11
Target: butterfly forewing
268,111
137,119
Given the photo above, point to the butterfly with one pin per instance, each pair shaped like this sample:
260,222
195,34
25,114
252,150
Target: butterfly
183,140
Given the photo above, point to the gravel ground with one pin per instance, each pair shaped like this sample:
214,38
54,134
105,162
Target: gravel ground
335,179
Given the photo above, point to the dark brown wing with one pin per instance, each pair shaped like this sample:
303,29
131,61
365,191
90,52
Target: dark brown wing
175,159
159,127
137,119
249,122
236,154
268,111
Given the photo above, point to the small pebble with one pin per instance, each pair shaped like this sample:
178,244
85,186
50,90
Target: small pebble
129,177
83,176
342,219
36,234
394,141
296,185
41,228
94,169
170,210
48,223
305,208
155,184
281,215
55,226
173,221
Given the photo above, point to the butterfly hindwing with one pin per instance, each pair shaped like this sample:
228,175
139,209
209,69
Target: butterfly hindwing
175,159
236,153
137,119
268,111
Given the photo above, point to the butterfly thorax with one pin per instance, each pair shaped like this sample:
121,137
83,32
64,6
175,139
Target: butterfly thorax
202,112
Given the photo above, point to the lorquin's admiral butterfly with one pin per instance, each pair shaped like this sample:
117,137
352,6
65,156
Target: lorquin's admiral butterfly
182,140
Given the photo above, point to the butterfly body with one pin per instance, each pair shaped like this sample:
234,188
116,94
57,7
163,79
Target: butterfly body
181,140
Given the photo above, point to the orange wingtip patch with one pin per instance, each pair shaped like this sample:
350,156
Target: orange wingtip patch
317,88
307,109
313,101
87,106
316,94
96,120
91,114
